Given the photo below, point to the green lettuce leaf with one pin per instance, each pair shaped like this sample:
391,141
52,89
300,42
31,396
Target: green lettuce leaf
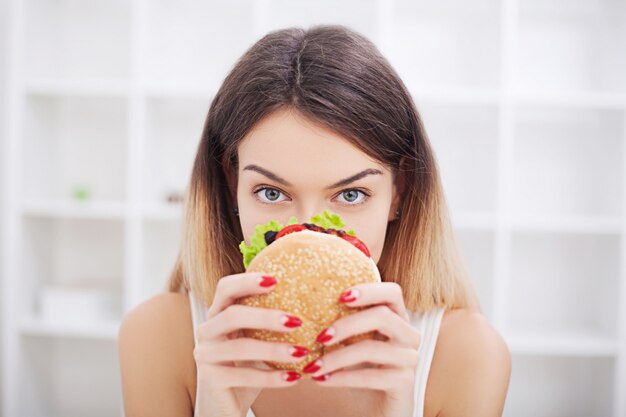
330,220
327,220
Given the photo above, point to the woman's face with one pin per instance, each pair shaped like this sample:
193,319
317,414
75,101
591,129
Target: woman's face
290,166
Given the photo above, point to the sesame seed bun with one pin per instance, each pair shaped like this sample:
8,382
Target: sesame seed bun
312,269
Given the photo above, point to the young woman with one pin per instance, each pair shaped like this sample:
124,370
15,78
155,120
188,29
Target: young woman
309,120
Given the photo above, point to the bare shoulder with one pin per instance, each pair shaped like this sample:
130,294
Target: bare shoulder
155,346
471,367
169,307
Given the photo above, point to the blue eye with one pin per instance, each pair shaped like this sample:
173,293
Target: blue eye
351,195
268,195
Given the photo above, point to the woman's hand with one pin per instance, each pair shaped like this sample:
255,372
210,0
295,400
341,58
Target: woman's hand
227,384
396,357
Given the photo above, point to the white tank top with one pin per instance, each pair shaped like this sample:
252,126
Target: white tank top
427,323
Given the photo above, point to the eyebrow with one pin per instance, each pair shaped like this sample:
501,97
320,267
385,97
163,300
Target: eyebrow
345,181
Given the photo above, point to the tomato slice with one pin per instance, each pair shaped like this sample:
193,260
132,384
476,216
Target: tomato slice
290,229
358,243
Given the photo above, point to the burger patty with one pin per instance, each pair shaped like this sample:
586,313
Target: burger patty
270,236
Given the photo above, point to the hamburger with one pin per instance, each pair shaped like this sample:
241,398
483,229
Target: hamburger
313,263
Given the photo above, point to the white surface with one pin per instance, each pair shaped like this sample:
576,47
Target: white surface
76,305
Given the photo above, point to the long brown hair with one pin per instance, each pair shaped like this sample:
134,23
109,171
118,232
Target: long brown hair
338,78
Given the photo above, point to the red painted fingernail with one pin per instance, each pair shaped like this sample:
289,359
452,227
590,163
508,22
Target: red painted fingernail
349,296
298,351
291,376
321,378
267,281
313,367
290,321
326,335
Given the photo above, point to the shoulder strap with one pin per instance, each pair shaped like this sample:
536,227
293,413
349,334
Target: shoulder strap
428,324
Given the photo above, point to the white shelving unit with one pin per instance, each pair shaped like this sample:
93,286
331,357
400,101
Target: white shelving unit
524,103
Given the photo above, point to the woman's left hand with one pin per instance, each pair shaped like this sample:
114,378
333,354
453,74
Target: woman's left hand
395,358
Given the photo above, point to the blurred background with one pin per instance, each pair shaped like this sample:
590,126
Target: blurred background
103,103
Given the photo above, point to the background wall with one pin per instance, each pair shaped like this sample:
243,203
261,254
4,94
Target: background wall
4,21
524,102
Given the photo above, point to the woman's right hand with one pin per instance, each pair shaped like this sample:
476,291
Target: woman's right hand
227,384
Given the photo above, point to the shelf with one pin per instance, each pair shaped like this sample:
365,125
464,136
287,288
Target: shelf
484,97
194,42
67,252
77,88
161,242
180,90
75,209
163,211
69,377
572,47
552,386
477,249
568,224
481,97
467,162
577,272
106,330
173,132
469,35
576,345
570,99
72,142
473,221
568,162
77,39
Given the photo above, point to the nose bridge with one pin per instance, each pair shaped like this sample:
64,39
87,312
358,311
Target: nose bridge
309,208
305,215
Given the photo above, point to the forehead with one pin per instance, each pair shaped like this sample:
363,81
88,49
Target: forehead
287,143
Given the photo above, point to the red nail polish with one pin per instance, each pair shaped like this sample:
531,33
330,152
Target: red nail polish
348,296
267,281
291,321
299,351
326,335
321,378
291,376
313,367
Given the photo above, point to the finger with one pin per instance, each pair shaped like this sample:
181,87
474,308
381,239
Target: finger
248,349
230,376
239,316
379,318
383,379
387,293
372,351
235,286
